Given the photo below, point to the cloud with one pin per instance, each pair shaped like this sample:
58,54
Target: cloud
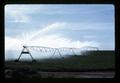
54,34
41,38
14,46
20,13
54,28
54,41
49,28
16,15
58,41
50,33
12,43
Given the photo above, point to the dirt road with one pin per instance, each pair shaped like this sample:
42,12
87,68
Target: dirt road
77,74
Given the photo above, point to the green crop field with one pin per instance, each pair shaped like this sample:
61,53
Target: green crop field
91,60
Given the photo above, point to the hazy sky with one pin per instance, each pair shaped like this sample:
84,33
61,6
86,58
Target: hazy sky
65,25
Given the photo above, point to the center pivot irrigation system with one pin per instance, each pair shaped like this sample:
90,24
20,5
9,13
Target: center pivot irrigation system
53,51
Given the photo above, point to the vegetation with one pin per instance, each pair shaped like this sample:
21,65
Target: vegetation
90,60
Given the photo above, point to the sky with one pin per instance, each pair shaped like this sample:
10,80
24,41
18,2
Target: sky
58,25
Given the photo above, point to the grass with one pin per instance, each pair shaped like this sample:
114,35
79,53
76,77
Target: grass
93,60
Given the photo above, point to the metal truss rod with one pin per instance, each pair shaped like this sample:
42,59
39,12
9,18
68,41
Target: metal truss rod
51,50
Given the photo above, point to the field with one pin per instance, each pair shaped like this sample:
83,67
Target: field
91,64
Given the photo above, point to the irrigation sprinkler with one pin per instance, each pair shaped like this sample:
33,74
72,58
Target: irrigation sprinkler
50,50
